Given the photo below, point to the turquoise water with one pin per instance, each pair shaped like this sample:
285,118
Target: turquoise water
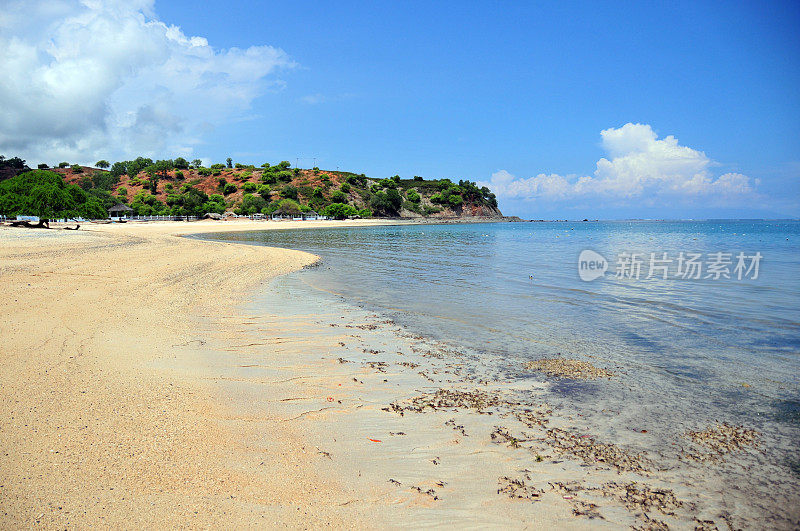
686,352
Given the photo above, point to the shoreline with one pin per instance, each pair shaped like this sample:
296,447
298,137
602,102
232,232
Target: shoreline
274,405
438,438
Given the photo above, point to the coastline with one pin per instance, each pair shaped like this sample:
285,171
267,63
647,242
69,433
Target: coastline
217,390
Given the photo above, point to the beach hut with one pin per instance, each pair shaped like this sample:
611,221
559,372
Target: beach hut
311,215
119,211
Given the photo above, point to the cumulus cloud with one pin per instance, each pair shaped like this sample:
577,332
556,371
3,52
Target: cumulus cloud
639,165
104,78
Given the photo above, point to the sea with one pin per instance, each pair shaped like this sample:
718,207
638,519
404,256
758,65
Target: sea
698,320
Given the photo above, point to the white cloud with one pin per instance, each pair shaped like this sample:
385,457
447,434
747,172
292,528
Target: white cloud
640,166
103,78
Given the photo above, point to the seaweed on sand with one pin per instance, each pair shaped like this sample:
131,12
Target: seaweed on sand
476,400
720,440
567,368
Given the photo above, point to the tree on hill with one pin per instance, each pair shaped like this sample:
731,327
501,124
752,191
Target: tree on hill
181,163
14,162
230,162
163,167
288,207
118,169
45,194
102,163
339,211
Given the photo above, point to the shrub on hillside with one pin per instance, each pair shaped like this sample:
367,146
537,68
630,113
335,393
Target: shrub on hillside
338,197
289,192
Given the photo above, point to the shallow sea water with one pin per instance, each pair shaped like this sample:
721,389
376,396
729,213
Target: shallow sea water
685,352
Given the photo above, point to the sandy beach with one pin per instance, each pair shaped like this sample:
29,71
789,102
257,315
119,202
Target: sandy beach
160,381
97,429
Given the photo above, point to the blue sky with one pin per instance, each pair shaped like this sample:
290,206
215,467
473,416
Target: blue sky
514,95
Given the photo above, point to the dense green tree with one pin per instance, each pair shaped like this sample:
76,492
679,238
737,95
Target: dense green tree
180,163
339,211
137,165
193,201
338,197
45,194
264,191
104,180
215,203
14,162
102,163
251,204
395,199
146,204
118,169
163,167
289,192
230,162
357,180
286,207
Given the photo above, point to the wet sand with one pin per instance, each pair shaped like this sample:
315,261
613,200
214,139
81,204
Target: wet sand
163,381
